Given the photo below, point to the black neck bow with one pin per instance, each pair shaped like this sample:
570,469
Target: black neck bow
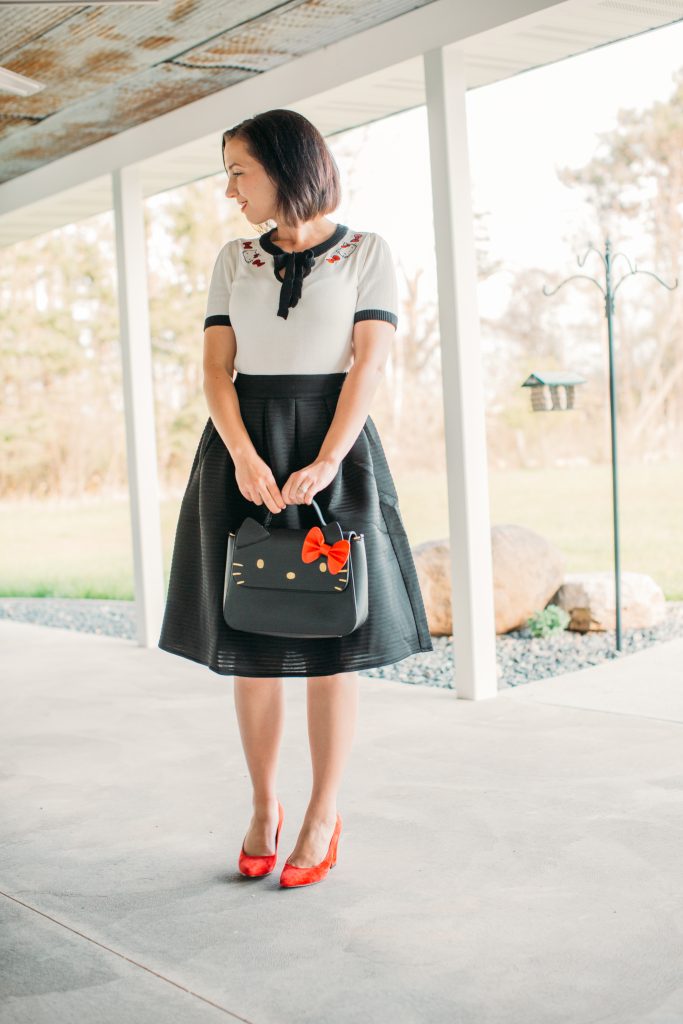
297,266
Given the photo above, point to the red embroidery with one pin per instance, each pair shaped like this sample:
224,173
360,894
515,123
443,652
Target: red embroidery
251,256
345,249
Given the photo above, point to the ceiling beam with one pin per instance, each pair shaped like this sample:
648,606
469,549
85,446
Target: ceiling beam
384,45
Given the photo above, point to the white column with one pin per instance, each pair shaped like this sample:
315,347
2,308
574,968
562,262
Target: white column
474,638
138,403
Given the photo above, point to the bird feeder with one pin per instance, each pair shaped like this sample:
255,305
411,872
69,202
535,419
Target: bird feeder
553,391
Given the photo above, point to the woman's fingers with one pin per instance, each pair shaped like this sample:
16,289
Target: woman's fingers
299,490
268,495
257,484
276,502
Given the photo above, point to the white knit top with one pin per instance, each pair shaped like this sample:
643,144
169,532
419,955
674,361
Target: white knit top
345,279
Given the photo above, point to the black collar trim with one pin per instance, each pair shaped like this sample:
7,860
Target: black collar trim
317,250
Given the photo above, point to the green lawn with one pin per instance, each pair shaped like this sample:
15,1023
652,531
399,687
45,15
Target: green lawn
84,550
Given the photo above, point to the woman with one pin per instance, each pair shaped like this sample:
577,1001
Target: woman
306,314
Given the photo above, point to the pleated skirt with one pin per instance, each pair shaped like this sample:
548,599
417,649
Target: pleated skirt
287,417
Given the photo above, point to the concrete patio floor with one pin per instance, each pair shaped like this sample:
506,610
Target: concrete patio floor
510,860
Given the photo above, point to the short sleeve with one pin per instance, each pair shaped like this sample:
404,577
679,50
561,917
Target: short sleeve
377,285
220,285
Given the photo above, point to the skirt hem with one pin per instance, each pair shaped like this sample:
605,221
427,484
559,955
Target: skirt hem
390,658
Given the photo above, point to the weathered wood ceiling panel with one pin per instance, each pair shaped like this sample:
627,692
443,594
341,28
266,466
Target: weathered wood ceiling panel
110,68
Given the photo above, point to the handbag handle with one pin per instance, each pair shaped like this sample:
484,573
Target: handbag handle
314,503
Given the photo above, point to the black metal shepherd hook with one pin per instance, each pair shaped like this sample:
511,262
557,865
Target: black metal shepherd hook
609,292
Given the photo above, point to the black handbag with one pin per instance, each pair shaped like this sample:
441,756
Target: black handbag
293,582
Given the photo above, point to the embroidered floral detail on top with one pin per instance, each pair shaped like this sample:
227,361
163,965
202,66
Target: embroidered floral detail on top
251,255
345,249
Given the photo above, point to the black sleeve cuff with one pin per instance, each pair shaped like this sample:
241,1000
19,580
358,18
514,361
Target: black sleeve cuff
219,320
375,314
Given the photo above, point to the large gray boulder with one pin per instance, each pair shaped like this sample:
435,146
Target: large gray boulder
527,571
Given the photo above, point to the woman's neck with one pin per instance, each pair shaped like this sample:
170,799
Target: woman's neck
304,236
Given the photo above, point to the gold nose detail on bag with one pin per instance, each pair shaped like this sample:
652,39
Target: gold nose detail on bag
291,575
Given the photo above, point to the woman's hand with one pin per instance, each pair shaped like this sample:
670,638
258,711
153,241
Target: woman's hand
257,483
304,484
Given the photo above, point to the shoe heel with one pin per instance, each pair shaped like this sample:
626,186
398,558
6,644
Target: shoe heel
296,876
258,866
334,853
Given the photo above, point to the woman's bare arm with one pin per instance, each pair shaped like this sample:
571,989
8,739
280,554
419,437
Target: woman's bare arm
220,348
254,477
372,342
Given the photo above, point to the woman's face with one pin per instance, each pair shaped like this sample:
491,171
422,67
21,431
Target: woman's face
248,183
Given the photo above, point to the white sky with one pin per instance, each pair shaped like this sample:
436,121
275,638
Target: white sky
521,129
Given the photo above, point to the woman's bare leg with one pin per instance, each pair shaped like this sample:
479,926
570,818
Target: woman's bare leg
260,707
332,704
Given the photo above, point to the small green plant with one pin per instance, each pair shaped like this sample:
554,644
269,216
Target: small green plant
549,620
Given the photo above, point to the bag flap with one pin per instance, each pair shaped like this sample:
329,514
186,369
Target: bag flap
270,559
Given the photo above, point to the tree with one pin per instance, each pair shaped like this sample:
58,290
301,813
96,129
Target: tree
635,181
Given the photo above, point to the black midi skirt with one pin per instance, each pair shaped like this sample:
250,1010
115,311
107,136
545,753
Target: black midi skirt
287,417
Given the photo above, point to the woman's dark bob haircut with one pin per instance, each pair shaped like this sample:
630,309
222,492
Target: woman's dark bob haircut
295,157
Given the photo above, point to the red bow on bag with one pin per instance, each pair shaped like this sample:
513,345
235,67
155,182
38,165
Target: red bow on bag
316,545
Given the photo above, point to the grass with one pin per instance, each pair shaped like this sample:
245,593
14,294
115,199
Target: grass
83,549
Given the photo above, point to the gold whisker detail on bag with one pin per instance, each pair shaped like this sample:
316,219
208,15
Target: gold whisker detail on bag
238,573
338,588
238,563
238,583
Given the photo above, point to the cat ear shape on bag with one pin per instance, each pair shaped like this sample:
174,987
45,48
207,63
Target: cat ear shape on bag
252,532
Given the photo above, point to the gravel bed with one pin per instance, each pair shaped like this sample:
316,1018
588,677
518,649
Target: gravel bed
521,657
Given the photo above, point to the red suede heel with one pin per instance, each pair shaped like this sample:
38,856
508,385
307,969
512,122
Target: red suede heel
256,866
293,876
